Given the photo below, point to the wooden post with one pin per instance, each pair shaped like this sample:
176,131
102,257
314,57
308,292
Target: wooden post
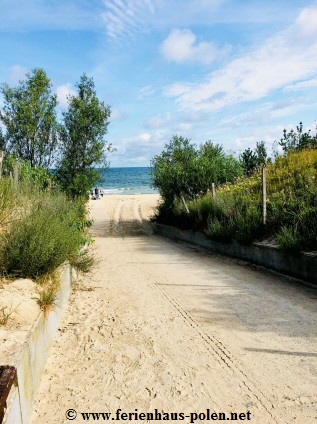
213,187
8,376
264,194
1,160
16,175
186,207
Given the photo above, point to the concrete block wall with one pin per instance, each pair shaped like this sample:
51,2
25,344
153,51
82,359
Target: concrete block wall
302,265
31,361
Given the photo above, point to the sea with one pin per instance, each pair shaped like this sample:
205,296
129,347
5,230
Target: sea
130,180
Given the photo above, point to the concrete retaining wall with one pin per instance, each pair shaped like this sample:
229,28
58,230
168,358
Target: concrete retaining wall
31,361
303,265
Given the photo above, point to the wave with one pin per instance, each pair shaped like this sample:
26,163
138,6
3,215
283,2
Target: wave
129,190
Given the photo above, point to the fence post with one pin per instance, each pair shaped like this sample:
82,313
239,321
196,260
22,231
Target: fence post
213,188
16,175
264,194
1,160
186,207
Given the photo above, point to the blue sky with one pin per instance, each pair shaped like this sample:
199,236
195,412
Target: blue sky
231,71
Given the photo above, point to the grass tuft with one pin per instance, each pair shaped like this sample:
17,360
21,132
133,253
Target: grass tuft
83,262
47,299
5,314
287,238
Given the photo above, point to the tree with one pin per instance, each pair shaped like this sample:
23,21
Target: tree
82,140
261,153
297,140
174,171
249,162
2,140
183,170
216,166
30,120
252,160
210,151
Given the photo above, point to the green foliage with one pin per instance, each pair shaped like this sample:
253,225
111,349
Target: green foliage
82,135
252,160
30,120
297,140
47,235
235,213
7,201
37,177
287,239
83,262
174,170
183,170
215,167
2,140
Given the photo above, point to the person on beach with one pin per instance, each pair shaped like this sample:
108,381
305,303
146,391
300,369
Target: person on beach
97,193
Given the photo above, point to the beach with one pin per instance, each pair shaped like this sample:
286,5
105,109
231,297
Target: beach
167,326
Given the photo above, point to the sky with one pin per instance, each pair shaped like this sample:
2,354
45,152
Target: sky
231,71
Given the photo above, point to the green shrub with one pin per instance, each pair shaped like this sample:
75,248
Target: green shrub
182,169
220,230
288,239
236,211
45,237
248,224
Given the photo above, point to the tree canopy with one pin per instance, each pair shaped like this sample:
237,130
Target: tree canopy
183,170
82,139
252,159
30,119
297,140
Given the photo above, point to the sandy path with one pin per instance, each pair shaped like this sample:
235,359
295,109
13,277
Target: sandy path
168,326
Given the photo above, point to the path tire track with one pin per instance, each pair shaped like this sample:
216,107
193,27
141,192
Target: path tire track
217,349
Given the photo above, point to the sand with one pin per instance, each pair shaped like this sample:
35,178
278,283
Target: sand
18,302
165,325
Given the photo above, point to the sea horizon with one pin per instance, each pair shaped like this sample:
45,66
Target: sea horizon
127,180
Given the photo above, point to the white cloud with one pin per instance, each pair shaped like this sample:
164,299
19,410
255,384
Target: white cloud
250,139
139,148
19,15
263,114
181,46
63,91
144,137
312,83
184,126
281,60
148,90
306,22
16,74
117,115
197,116
271,137
158,121
126,17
